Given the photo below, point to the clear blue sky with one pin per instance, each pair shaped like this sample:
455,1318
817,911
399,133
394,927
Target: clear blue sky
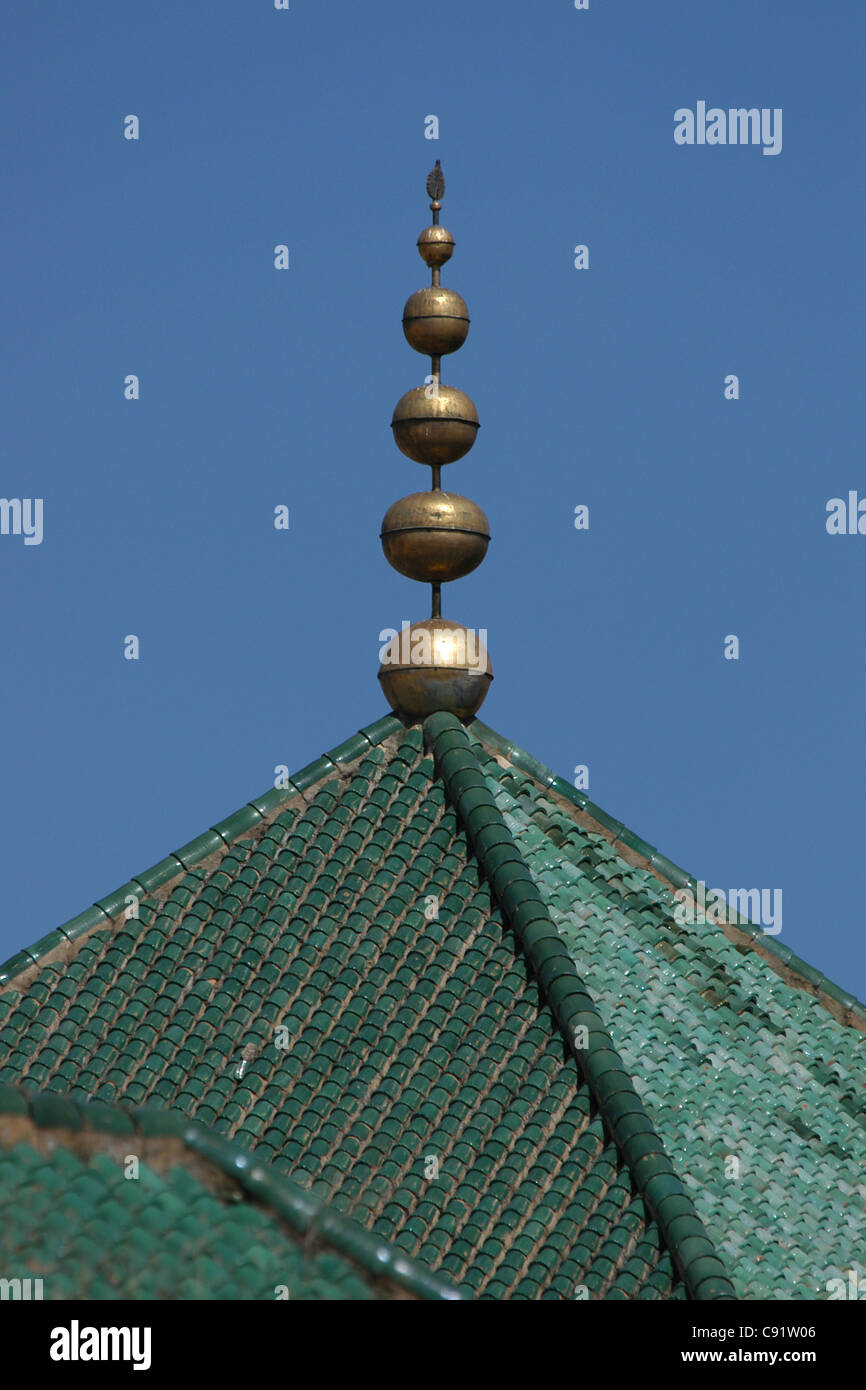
604,387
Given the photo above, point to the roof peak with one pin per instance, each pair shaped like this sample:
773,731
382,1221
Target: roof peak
410,1035
797,972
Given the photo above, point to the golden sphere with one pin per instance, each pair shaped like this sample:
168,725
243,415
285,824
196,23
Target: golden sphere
435,428
435,665
435,245
435,537
435,321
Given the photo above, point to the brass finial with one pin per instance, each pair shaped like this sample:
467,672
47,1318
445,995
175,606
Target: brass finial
435,536
436,189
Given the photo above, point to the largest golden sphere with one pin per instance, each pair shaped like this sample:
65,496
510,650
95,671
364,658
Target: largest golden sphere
436,665
435,320
434,424
435,537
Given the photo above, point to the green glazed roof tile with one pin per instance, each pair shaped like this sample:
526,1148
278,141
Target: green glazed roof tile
287,983
629,975
134,1240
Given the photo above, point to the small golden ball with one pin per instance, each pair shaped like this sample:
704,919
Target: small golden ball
435,424
435,537
435,245
435,320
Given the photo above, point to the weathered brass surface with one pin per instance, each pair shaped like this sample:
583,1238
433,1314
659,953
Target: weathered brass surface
435,246
435,426
436,183
435,537
435,320
435,665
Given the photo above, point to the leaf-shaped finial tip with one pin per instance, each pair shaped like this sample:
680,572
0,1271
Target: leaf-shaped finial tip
436,183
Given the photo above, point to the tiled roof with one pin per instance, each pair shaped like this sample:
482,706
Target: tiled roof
357,977
738,1049
100,1202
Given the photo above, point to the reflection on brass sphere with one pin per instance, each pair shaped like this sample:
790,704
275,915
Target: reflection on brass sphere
435,665
438,427
435,536
435,320
435,245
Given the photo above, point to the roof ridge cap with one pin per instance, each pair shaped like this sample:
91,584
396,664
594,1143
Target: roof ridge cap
303,1211
217,839
574,1009
813,981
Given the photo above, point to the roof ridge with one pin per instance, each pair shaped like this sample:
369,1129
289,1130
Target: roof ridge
662,866
228,831
220,836
574,1009
306,1213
